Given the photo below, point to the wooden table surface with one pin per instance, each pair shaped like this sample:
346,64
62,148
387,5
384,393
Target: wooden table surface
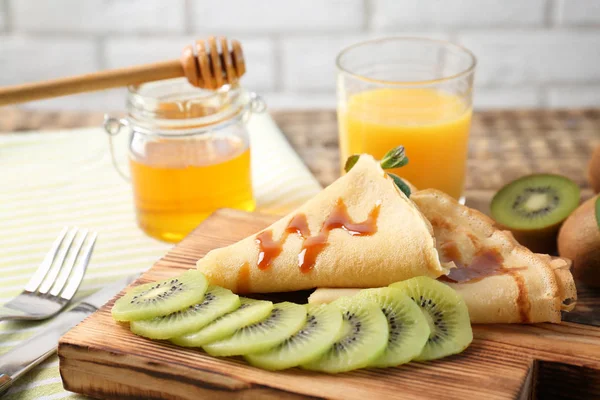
504,362
504,145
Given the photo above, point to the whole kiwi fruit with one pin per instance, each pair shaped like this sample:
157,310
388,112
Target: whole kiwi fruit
594,170
533,208
579,240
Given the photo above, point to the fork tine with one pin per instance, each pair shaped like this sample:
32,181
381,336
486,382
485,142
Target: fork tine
57,265
79,270
44,267
66,269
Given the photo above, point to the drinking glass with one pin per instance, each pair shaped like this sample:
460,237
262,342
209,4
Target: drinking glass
413,92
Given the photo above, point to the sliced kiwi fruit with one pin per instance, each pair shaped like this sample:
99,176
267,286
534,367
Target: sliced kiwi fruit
161,298
407,325
284,320
446,314
249,312
533,208
362,340
216,302
322,327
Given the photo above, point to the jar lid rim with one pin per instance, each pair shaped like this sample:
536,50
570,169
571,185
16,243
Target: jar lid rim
231,103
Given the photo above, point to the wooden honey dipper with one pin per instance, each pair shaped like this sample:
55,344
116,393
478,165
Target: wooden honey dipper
202,64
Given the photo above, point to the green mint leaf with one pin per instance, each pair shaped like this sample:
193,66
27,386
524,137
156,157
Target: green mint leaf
400,183
353,159
394,158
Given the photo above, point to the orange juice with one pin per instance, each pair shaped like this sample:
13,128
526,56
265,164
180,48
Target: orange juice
177,185
433,126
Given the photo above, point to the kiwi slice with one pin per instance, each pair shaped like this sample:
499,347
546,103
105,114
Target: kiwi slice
408,328
446,313
362,340
322,327
249,312
534,206
217,301
284,320
161,298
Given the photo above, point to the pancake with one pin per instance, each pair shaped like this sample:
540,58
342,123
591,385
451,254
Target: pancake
500,280
564,279
361,231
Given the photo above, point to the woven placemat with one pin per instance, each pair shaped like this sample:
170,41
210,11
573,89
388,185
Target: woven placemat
504,145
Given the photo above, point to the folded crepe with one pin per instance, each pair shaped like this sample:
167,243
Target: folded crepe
500,280
361,231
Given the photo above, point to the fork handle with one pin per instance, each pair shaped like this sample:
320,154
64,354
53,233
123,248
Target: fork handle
7,314
5,383
33,351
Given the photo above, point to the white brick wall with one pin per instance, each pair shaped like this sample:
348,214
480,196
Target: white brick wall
98,16
2,15
24,59
532,53
529,57
276,16
308,62
568,96
457,14
578,12
513,97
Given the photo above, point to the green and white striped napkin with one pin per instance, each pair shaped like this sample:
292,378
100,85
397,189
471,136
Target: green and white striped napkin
51,180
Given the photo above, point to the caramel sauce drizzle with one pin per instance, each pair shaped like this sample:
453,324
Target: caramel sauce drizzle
313,245
523,303
485,263
243,280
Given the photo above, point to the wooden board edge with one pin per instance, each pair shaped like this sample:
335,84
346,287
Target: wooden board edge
83,372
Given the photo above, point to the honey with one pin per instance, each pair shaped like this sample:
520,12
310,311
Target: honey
189,153
177,185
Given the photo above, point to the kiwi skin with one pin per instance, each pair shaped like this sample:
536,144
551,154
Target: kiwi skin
594,170
579,240
541,241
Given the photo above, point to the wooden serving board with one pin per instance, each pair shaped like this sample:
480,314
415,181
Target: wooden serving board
103,359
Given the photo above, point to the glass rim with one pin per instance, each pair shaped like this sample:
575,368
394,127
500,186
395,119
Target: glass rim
140,108
466,71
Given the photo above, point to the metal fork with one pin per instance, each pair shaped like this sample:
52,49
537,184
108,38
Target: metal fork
56,280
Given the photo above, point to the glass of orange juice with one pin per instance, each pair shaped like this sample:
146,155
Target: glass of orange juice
189,153
412,92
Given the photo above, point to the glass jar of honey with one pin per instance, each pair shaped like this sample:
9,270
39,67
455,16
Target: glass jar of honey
189,153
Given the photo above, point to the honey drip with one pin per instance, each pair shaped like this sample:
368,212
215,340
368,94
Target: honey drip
313,245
